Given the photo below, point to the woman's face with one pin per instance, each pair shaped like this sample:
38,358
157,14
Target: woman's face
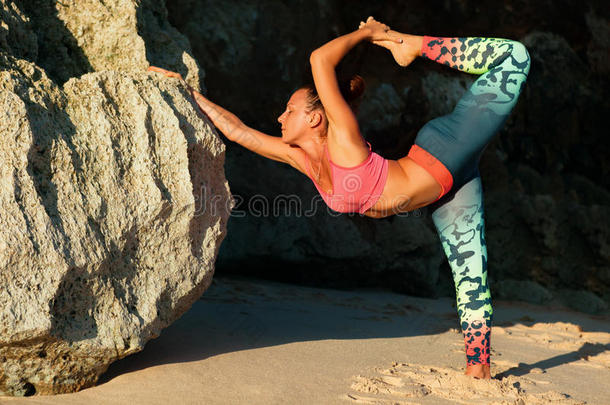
294,120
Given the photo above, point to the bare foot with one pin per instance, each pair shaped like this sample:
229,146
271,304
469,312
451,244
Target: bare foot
405,52
480,371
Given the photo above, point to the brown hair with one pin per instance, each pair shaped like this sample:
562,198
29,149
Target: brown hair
351,90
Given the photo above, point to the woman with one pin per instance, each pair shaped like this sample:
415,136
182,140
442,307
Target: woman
321,138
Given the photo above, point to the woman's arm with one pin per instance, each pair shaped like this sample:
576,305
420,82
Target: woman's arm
235,130
333,51
227,122
342,123
271,147
372,30
343,126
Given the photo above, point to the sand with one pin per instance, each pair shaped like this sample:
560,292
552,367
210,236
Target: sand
250,341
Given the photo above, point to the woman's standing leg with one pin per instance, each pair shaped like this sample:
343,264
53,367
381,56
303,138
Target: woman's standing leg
461,227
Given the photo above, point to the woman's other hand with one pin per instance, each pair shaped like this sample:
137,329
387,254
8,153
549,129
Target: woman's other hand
378,31
167,73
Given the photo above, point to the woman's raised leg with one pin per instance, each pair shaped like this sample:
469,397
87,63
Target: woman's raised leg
459,138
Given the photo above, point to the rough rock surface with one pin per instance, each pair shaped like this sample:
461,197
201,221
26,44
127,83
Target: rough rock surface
75,37
113,205
546,176
16,36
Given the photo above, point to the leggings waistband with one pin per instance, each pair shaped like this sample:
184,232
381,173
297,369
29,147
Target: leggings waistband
434,166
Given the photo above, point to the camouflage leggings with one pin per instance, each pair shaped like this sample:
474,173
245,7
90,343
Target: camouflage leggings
458,139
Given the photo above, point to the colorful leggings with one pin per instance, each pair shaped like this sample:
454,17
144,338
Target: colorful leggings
458,140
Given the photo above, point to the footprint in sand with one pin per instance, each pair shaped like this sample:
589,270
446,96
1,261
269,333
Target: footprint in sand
404,383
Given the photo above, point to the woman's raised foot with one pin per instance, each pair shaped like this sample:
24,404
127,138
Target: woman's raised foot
404,53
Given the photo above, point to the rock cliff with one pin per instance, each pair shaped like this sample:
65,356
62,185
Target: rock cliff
113,199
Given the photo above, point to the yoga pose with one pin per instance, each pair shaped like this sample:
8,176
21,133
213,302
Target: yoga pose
321,138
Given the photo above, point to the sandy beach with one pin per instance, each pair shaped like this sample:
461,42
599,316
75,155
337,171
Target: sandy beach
249,341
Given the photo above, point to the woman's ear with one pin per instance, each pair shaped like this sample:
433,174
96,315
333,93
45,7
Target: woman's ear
314,119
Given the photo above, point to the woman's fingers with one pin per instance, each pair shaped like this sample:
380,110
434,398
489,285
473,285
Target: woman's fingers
167,73
159,70
395,39
372,20
374,23
380,29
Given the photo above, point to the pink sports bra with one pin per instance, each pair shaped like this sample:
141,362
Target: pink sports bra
357,188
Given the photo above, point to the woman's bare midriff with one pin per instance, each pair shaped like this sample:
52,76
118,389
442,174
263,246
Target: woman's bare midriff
408,187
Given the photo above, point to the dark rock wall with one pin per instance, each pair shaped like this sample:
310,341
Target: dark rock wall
545,175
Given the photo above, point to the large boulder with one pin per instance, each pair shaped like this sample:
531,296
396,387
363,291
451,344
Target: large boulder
113,199
107,232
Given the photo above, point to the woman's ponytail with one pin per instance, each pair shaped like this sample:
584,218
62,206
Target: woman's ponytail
351,90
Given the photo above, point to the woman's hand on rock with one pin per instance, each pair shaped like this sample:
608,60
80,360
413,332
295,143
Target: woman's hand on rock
167,73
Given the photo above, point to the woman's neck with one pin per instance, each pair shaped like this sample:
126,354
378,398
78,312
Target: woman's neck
314,149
